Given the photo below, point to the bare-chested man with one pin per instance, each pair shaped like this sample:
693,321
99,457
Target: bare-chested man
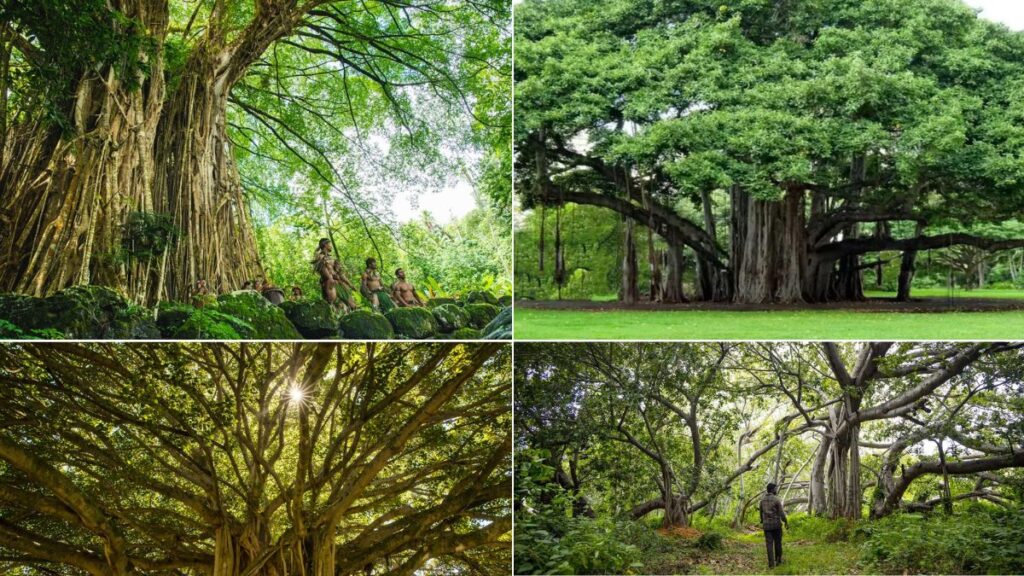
371,286
296,294
404,293
332,275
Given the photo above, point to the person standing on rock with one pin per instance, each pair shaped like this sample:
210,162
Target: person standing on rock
332,277
773,516
371,286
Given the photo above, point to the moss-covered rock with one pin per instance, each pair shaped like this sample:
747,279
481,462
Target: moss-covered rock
500,328
366,325
268,321
450,317
181,321
81,312
505,300
417,323
435,302
207,324
312,318
480,297
481,314
466,334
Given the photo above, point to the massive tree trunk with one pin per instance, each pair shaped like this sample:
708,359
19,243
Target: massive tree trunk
136,150
197,181
769,240
817,503
67,194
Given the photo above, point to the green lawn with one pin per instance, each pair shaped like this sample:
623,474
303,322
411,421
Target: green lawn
958,293
757,325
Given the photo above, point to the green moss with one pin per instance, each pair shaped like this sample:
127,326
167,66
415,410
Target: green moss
434,303
85,312
268,321
500,328
312,318
366,325
480,296
450,317
481,314
505,300
466,334
204,324
417,323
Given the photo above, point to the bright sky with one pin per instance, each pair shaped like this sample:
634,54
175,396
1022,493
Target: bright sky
1009,12
448,204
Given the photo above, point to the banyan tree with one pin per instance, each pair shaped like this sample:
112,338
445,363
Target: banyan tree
846,430
260,459
775,145
122,123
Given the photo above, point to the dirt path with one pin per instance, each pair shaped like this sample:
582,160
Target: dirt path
745,554
869,305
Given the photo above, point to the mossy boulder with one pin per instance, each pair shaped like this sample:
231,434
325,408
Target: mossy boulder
312,318
480,314
500,328
416,323
80,312
206,324
480,296
466,334
268,321
450,317
366,325
435,302
185,322
505,300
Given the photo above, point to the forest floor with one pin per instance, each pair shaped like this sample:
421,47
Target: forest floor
744,553
990,314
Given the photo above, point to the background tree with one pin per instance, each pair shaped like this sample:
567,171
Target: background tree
188,110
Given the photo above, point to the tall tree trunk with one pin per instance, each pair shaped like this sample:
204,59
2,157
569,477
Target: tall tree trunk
769,248
818,504
68,194
630,292
907,270
197,181
672,293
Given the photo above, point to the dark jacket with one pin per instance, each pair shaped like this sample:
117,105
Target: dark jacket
772,514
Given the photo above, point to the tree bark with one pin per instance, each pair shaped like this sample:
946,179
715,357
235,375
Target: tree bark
630,291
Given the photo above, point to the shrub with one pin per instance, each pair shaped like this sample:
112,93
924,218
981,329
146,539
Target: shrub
709,541
987,541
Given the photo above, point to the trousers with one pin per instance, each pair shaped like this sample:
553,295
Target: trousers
773,542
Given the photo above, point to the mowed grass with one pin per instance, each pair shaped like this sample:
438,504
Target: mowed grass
532,324
957,293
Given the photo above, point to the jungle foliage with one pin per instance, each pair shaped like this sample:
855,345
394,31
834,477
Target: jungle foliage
896,449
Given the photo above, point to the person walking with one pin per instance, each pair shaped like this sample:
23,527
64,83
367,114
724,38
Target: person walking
773,516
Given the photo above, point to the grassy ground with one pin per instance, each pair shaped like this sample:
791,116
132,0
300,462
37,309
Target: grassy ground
758,325
745,554
957,293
